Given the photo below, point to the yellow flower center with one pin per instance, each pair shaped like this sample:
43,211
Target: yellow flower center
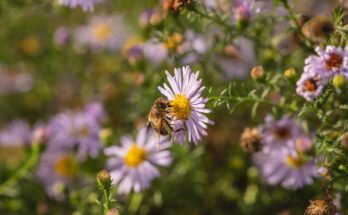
135,156
65,166
180,107
294,162
101,31
174,41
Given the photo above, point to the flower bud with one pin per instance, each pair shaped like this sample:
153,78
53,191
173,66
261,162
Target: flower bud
257,73
339,81
242,14
104,179
113,211
321,206
290,73
344,140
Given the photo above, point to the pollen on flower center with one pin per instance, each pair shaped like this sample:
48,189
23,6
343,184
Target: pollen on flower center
310,85
180,107
65,166
294,162
135,156
335,61
101,31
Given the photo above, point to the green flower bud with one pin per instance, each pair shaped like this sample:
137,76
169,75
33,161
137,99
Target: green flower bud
104,179
290,73
339,81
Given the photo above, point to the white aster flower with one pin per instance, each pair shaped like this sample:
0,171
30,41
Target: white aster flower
133,165
187,105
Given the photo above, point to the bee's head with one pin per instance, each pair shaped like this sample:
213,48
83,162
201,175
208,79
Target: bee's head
162,103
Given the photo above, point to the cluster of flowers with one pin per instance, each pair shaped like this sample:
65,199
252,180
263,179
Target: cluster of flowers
73,137
328,63
282,157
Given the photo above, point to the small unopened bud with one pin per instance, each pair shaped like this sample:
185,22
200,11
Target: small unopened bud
344,140
303,144
339,81
257,72
105,133
113,211
321,206
242,14
104,179
250,140
290,73
40,134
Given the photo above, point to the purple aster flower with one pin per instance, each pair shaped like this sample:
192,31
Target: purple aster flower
328,62
194,46
285,167
102,32
17,133
279,133
79,130
310,86
187,105
56,171
155,52
133,165
95,110
86,5
238,58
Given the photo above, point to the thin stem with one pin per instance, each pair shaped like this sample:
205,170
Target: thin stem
24,170
212,18
294,19
251,99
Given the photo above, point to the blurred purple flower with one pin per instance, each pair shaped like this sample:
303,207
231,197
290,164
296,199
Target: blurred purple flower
102,32
239,58
56,171
187,105
79,130
279,133
133,165
95,110
155,52
86,5
285,167
194,46
17,133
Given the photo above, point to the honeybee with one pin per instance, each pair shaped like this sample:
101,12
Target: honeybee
159,118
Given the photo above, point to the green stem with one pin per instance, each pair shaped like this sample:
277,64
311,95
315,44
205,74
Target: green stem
246,99
212,18
294,19
24,170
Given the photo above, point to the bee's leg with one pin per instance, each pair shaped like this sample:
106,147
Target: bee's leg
180,129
